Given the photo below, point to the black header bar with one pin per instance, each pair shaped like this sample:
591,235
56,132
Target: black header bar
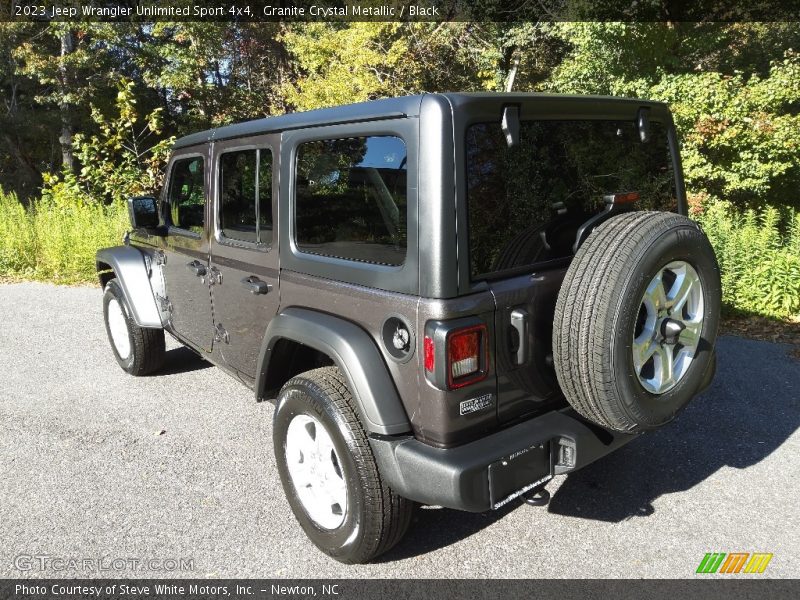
399,10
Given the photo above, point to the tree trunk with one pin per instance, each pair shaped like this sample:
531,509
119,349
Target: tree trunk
67,160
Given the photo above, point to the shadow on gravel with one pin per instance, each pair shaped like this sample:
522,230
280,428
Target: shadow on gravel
435,528
749,411
181,360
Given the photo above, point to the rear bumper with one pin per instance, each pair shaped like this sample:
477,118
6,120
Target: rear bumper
493,470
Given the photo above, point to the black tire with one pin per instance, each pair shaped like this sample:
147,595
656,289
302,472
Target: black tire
375,518
598,311
147,346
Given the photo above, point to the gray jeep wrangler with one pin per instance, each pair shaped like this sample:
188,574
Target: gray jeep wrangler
452,298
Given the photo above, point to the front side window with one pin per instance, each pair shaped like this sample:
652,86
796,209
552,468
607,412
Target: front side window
186,195
526,202
246,195
350,199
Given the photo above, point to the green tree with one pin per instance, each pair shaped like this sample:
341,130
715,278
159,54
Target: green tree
126,156
734,90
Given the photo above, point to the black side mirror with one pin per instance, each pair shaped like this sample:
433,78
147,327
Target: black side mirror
143,212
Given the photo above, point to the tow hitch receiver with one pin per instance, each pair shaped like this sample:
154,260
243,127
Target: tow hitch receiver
538,497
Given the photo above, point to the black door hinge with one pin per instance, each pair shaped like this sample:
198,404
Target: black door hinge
164,304
214,276
220,335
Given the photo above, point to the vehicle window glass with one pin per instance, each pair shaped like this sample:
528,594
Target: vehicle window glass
526,203
350,199
186,196
238,195
265,196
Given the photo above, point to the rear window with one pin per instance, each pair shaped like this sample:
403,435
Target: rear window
526,203
350,199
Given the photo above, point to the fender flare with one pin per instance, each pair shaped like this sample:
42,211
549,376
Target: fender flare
131,272
356,355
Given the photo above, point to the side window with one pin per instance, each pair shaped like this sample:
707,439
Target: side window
186,197
246,195
350,199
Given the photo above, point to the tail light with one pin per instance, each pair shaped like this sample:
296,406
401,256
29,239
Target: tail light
456,353
430,360
464,353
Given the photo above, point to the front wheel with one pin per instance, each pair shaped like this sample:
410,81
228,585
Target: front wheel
329,473
139,351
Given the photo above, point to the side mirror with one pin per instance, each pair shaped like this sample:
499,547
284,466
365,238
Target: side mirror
143,212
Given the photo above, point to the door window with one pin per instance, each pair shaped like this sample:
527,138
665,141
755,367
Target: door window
245,212
186,197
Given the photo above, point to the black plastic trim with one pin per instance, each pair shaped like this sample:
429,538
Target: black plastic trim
459,477
356,355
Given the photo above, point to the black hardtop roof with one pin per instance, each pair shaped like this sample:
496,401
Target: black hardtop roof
404,106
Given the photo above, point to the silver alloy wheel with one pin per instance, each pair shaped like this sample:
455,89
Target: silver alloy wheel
118,327
315,471
668,327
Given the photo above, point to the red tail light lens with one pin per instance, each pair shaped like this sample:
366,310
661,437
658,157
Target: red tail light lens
429,354
464,356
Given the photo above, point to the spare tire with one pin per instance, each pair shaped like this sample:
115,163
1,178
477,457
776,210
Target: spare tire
636,320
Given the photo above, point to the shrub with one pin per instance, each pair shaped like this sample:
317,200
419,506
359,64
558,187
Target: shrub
55,238
17,244
760,266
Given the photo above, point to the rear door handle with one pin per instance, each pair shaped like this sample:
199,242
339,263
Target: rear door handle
519,321
255,285
198,268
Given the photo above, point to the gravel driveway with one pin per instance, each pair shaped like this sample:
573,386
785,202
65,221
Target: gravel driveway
97,464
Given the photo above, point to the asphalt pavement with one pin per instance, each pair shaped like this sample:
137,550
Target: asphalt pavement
176,471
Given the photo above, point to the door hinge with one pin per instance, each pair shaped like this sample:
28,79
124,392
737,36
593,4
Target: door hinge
220,335
164,304
214,276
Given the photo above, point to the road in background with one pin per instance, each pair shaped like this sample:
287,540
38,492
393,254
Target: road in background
96,463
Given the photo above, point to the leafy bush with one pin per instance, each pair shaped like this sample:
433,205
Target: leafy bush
760,267
55,238
123,160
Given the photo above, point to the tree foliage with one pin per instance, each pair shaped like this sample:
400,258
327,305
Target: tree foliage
109,98
734,88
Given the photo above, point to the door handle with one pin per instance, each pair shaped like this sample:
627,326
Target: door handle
519,321
197,267
255,285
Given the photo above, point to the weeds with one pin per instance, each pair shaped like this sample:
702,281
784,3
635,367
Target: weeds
56,237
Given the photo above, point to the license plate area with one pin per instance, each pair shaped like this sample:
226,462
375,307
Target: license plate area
515,474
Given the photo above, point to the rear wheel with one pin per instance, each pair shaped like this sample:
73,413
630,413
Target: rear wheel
636,320
139,351
328,471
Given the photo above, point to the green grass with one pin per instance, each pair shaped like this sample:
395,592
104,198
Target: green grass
55,238
759,258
